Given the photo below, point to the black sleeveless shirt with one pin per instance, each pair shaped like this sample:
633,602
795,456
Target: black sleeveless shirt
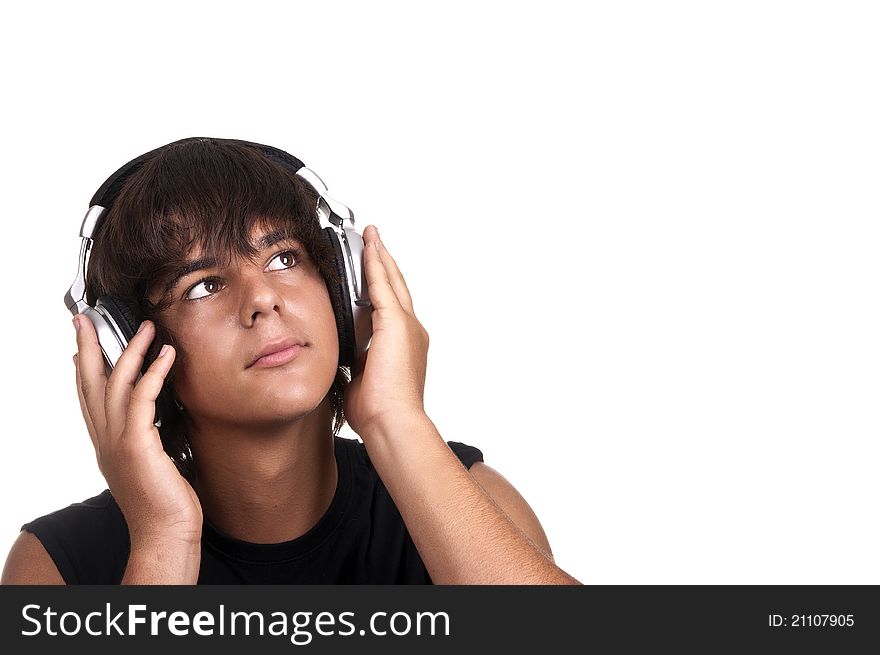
361,539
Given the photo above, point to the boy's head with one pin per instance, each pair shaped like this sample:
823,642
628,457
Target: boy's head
221,247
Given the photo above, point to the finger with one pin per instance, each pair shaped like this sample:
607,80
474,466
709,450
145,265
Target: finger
82,405
91,373
395,277
125,375
142,407
382,294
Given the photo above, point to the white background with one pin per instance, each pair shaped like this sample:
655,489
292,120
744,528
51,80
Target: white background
642,237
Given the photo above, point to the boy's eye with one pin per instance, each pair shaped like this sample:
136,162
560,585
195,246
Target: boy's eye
202,289
289,257
210,285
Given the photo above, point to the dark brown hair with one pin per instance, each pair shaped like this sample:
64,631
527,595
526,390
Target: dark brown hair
208,194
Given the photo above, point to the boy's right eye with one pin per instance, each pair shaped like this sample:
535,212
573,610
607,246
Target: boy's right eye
195,293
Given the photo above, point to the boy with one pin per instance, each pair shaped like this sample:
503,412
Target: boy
248,480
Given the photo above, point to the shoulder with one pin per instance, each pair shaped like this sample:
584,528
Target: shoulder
98,513
497,487
29,562
86,542
511,502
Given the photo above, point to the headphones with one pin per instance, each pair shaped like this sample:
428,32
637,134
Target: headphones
116,323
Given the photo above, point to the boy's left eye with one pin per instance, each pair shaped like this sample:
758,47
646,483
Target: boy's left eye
289,256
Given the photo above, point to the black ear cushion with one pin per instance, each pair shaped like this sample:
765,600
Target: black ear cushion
341,300
124,316
128,321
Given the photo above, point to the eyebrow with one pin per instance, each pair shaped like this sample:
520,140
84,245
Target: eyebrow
266,241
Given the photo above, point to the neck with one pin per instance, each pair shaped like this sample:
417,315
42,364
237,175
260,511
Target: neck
266,484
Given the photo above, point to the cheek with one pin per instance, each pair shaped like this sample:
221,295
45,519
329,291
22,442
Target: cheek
321,324
315,314
197,364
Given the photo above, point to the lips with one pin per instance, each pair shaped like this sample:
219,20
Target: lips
277,353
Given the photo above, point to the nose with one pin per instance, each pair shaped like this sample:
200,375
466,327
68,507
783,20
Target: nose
259,296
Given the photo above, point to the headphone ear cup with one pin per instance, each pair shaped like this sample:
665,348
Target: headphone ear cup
128,323
126,319
120,312
341,300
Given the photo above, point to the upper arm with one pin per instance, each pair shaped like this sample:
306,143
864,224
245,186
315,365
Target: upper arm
29,563
511,503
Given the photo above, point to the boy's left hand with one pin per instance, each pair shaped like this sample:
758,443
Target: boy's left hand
391,385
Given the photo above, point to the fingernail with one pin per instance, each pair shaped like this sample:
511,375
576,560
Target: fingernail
76,323
140,329
163,351
74,360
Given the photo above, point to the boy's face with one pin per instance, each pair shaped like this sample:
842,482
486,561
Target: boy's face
222,318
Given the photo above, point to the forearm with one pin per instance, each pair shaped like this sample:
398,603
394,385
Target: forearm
163,563
463,537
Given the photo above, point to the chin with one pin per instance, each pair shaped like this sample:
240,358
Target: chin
272,399
288,403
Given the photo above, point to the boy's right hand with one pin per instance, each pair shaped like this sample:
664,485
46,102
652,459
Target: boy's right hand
160,507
